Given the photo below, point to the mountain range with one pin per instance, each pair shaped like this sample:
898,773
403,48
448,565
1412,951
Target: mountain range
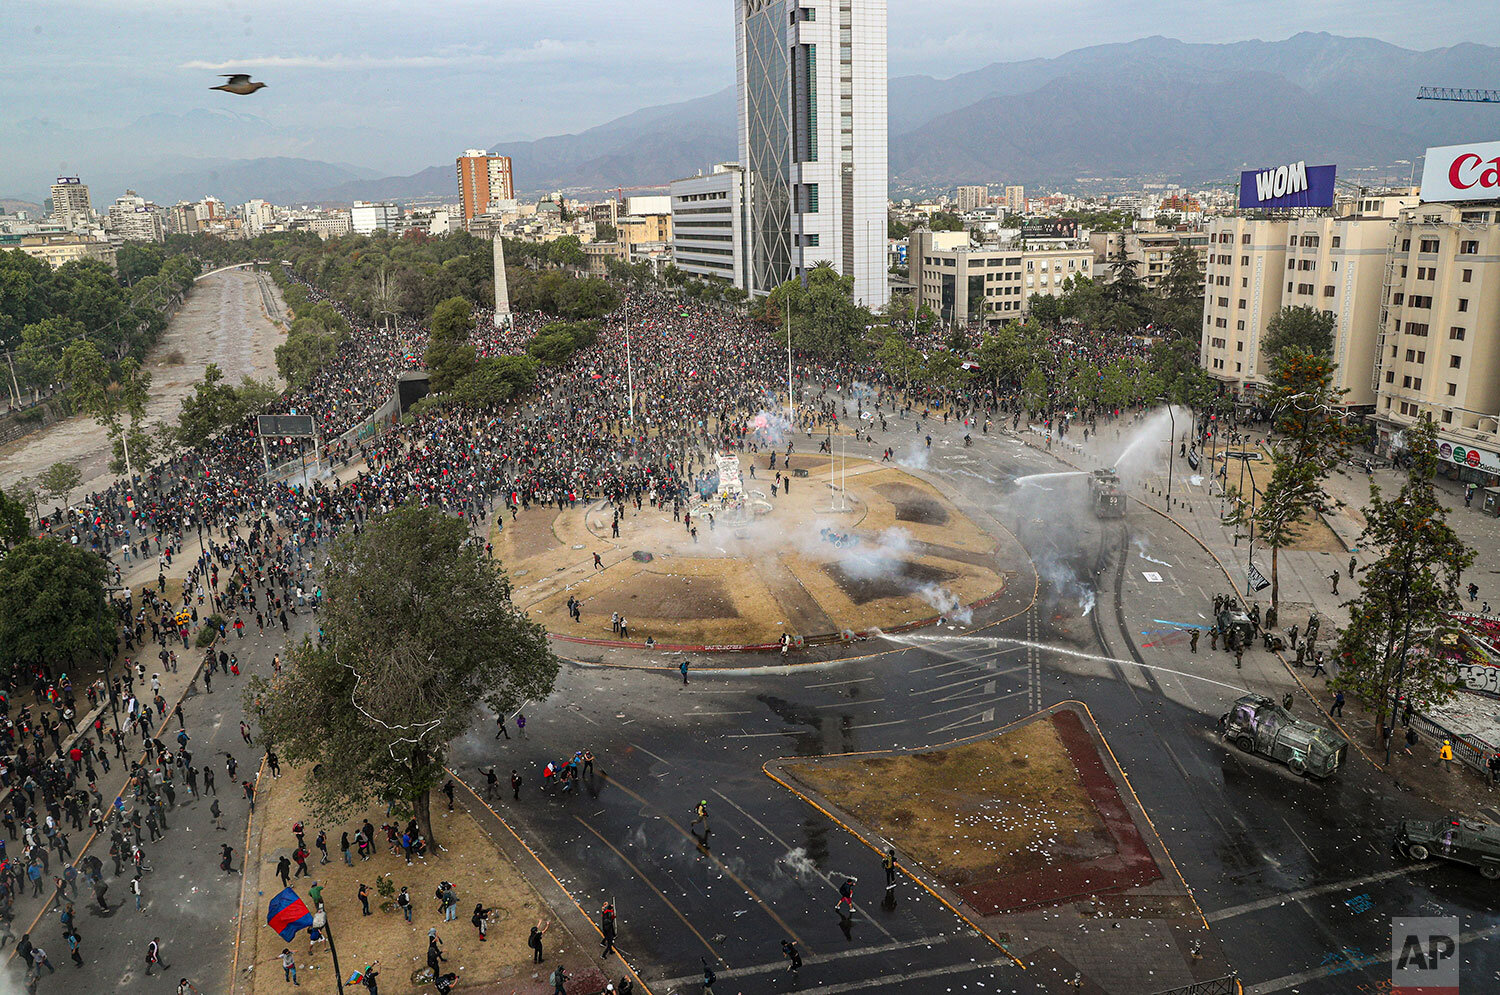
1155,107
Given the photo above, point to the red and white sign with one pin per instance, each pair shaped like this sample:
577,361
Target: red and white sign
1462,172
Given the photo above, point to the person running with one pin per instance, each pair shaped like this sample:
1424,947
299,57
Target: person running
790,952
701,815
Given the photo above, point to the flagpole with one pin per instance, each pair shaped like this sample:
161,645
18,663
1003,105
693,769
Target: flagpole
338,973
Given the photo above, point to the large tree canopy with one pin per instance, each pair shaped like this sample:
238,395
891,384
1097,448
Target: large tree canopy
418,630
52,609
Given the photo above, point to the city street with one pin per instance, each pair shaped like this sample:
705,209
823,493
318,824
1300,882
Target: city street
1295,876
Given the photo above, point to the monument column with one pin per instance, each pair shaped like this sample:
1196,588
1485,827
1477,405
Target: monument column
502,289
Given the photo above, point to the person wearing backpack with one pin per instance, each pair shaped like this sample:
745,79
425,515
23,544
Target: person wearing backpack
559,980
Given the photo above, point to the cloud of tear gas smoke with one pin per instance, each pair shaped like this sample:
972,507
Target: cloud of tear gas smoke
1141,546
768,428
799,864
946,602
913,456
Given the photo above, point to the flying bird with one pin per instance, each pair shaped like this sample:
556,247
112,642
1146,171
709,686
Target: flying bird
238,83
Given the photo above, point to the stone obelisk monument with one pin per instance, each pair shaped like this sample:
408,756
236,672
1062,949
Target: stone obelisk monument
502,290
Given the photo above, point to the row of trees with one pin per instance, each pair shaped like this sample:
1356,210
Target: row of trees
43,310
380,277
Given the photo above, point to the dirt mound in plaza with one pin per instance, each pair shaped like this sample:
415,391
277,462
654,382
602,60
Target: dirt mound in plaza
899,582
668,596
913,504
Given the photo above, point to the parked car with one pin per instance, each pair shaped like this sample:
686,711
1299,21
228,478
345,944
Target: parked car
1463,841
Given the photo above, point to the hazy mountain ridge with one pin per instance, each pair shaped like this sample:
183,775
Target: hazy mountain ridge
1154,106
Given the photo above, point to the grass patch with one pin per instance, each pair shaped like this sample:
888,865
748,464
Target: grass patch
971,814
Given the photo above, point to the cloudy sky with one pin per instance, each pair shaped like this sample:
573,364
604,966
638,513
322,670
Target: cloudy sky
395,85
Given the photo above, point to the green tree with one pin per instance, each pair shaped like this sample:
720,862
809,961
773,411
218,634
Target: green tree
566,251
1305,329
59,480
945,221
1312,439
39,359
135,261
1386,653
1127,289
91,392
14,525
495,380
605,232
825,320
309,344
418,631
52,610
25,289
449,355
1180,311
895,228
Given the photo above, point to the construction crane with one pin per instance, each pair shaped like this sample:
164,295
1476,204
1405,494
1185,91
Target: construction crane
1455,93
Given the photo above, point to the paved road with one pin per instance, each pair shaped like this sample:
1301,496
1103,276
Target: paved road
1295,876
187,900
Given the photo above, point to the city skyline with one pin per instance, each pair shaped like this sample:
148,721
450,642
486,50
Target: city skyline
320,104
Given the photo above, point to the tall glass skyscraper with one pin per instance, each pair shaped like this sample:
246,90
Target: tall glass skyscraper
812,129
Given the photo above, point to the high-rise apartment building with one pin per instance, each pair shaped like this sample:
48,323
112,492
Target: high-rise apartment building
259,216
1331,263
1438,346
135,219
370,216
1015,199
811,94
483,180
70,202
707,224
973,198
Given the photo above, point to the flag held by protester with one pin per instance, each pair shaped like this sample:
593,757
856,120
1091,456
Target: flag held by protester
287,914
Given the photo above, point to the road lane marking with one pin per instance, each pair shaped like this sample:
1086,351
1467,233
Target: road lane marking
1343,966
826,879
1296,896
851,701
723,868
781,965
648,883
834,684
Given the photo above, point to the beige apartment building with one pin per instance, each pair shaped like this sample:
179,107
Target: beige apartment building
972,198
1152,252
635,229
1438,344
994,284
1332,263
56,248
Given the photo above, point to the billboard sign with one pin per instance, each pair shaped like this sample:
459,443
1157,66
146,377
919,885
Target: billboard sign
1463,455
68,181
1294,185
1462,172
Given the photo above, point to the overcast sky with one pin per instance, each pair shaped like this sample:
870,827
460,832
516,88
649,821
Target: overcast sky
400,84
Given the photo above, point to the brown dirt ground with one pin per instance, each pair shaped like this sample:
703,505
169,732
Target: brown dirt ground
727,588
471,861
1009,805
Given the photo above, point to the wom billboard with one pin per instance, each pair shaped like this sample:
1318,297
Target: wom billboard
1294,185
1462,172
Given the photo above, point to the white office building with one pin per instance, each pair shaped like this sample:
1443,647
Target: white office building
135,219
70,202
259,215
811,94
707,223
370,216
